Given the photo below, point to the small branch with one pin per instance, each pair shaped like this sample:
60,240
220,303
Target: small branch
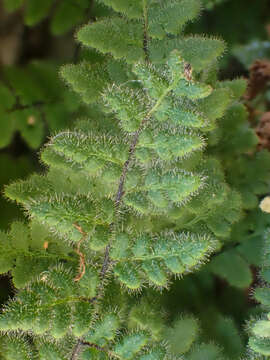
19,106
132,148
81,255
118,198
106,264
145,46
95,346
145,33
76,351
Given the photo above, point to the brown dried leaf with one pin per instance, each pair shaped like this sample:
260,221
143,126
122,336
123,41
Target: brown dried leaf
263,131
259,77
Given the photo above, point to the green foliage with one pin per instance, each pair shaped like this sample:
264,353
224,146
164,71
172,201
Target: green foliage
182,334
66,14
204,51
150,186
219,334
17,348
12,168
132,9
242,30
28,250
232,267
34,13
258,327
12,5
114,35
212,352
249,53
124,39
87,79
153,258
43,312
209,4
32,99
54,306
171,16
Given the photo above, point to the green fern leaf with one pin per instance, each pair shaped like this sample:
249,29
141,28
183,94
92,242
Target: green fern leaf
260,345
170,16
17,348
86,79
152,259
131,345
116,36
262,295
130,8
200,52
41,311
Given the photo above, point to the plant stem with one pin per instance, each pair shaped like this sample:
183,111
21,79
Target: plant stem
145,34
120,190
